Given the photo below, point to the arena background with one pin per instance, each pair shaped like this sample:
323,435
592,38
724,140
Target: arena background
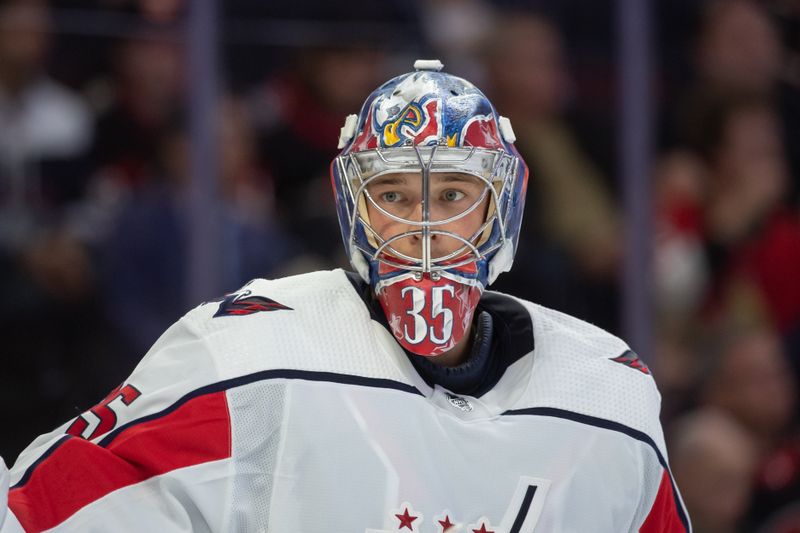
158,153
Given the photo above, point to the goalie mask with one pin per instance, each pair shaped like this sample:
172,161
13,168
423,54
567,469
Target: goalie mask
430,192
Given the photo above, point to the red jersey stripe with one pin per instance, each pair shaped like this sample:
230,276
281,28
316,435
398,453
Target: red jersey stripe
663,516
80,472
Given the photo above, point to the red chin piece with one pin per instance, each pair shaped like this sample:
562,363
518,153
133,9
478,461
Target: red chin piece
428,317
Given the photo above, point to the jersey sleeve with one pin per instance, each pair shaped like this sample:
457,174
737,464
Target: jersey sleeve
155,453
666,514
661,505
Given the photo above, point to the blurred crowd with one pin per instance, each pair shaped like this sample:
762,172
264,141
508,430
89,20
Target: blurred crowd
95,169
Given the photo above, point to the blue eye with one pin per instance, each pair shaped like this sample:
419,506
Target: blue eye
391,197
452,195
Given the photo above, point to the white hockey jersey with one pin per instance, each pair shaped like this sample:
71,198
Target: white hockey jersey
286,408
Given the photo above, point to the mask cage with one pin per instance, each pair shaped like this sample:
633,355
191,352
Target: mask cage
496,169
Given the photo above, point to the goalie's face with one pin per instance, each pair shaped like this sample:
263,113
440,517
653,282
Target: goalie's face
457,204
432,222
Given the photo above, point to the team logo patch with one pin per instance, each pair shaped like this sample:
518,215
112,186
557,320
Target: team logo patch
520,516
632,360
244,303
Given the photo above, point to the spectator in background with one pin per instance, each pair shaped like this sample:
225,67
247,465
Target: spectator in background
144,254
681,275
752,238
739,53
144,92
299,111
713,460
728,246
528,79
738,47
148,91
748,377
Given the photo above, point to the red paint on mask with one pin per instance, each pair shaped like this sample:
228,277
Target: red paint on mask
428,317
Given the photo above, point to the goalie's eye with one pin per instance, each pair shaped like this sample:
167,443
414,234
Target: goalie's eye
391,197
452,195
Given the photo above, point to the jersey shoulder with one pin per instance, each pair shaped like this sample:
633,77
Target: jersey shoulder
295,327
313,322
582,369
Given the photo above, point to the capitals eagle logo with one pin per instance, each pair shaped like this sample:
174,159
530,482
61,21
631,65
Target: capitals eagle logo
243,303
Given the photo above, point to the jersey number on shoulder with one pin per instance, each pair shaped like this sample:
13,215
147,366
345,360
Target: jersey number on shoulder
106,417
421,326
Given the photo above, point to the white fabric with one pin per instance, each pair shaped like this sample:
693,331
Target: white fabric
8,522
314,452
